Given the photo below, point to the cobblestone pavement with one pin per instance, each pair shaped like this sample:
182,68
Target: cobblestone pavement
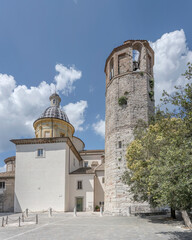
91,226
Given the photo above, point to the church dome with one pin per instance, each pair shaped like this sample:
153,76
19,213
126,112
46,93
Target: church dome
53,122
54,112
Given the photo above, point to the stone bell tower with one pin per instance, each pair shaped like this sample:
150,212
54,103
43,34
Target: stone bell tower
129,97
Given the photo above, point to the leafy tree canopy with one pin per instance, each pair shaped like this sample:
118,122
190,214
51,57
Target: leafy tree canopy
160,157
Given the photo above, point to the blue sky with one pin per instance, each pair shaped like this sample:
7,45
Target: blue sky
69,41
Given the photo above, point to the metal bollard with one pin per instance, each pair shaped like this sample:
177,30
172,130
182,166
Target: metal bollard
3,222
6,220
101,211
75,212
27,212
36,219
129,211
50,212
23,217
19,221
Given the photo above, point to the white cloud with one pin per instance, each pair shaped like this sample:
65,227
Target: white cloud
75,112
66,77
171,57
99,128
3,169
20,106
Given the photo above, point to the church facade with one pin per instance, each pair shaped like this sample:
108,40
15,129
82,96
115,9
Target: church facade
54,170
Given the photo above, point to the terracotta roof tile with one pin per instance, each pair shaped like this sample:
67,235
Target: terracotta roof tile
84,170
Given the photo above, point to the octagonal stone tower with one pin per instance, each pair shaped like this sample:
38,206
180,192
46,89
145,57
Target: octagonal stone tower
129,97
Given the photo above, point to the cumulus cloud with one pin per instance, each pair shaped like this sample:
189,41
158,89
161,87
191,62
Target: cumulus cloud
65,78
171,58
75,112
20,106
3,169
99,128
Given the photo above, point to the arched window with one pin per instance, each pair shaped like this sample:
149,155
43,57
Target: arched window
136,59
136,55
111,73
123,63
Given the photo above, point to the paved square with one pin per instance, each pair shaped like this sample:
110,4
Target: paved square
91,226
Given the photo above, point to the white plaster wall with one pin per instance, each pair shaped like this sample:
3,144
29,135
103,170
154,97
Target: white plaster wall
40,181
72,164
99,187
87,192
79,145
92,158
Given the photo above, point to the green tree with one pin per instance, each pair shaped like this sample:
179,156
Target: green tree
160,157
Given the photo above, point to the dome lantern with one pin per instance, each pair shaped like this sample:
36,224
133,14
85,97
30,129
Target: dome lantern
55,100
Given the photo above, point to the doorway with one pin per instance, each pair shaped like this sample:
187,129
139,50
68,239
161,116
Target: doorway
79,204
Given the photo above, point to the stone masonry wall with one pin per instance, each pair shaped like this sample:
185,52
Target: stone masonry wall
120,123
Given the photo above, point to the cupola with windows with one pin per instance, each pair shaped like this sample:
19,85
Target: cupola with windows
53,122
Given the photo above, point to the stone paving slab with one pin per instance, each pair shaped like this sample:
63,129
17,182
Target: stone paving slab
93,227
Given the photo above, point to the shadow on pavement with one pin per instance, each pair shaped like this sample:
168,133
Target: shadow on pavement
178,235
164,219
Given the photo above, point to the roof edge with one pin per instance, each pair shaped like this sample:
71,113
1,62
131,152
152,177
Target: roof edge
48,140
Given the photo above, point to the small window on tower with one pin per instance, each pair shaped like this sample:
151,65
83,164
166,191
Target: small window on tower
120,145
53,101
103,180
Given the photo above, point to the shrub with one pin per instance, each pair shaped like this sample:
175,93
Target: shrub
151,95
151,82
122,101
97,207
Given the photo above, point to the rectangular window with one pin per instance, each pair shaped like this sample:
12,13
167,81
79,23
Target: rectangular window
120,145
47,134
40,152
2,185
86,164
79,185
103,180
